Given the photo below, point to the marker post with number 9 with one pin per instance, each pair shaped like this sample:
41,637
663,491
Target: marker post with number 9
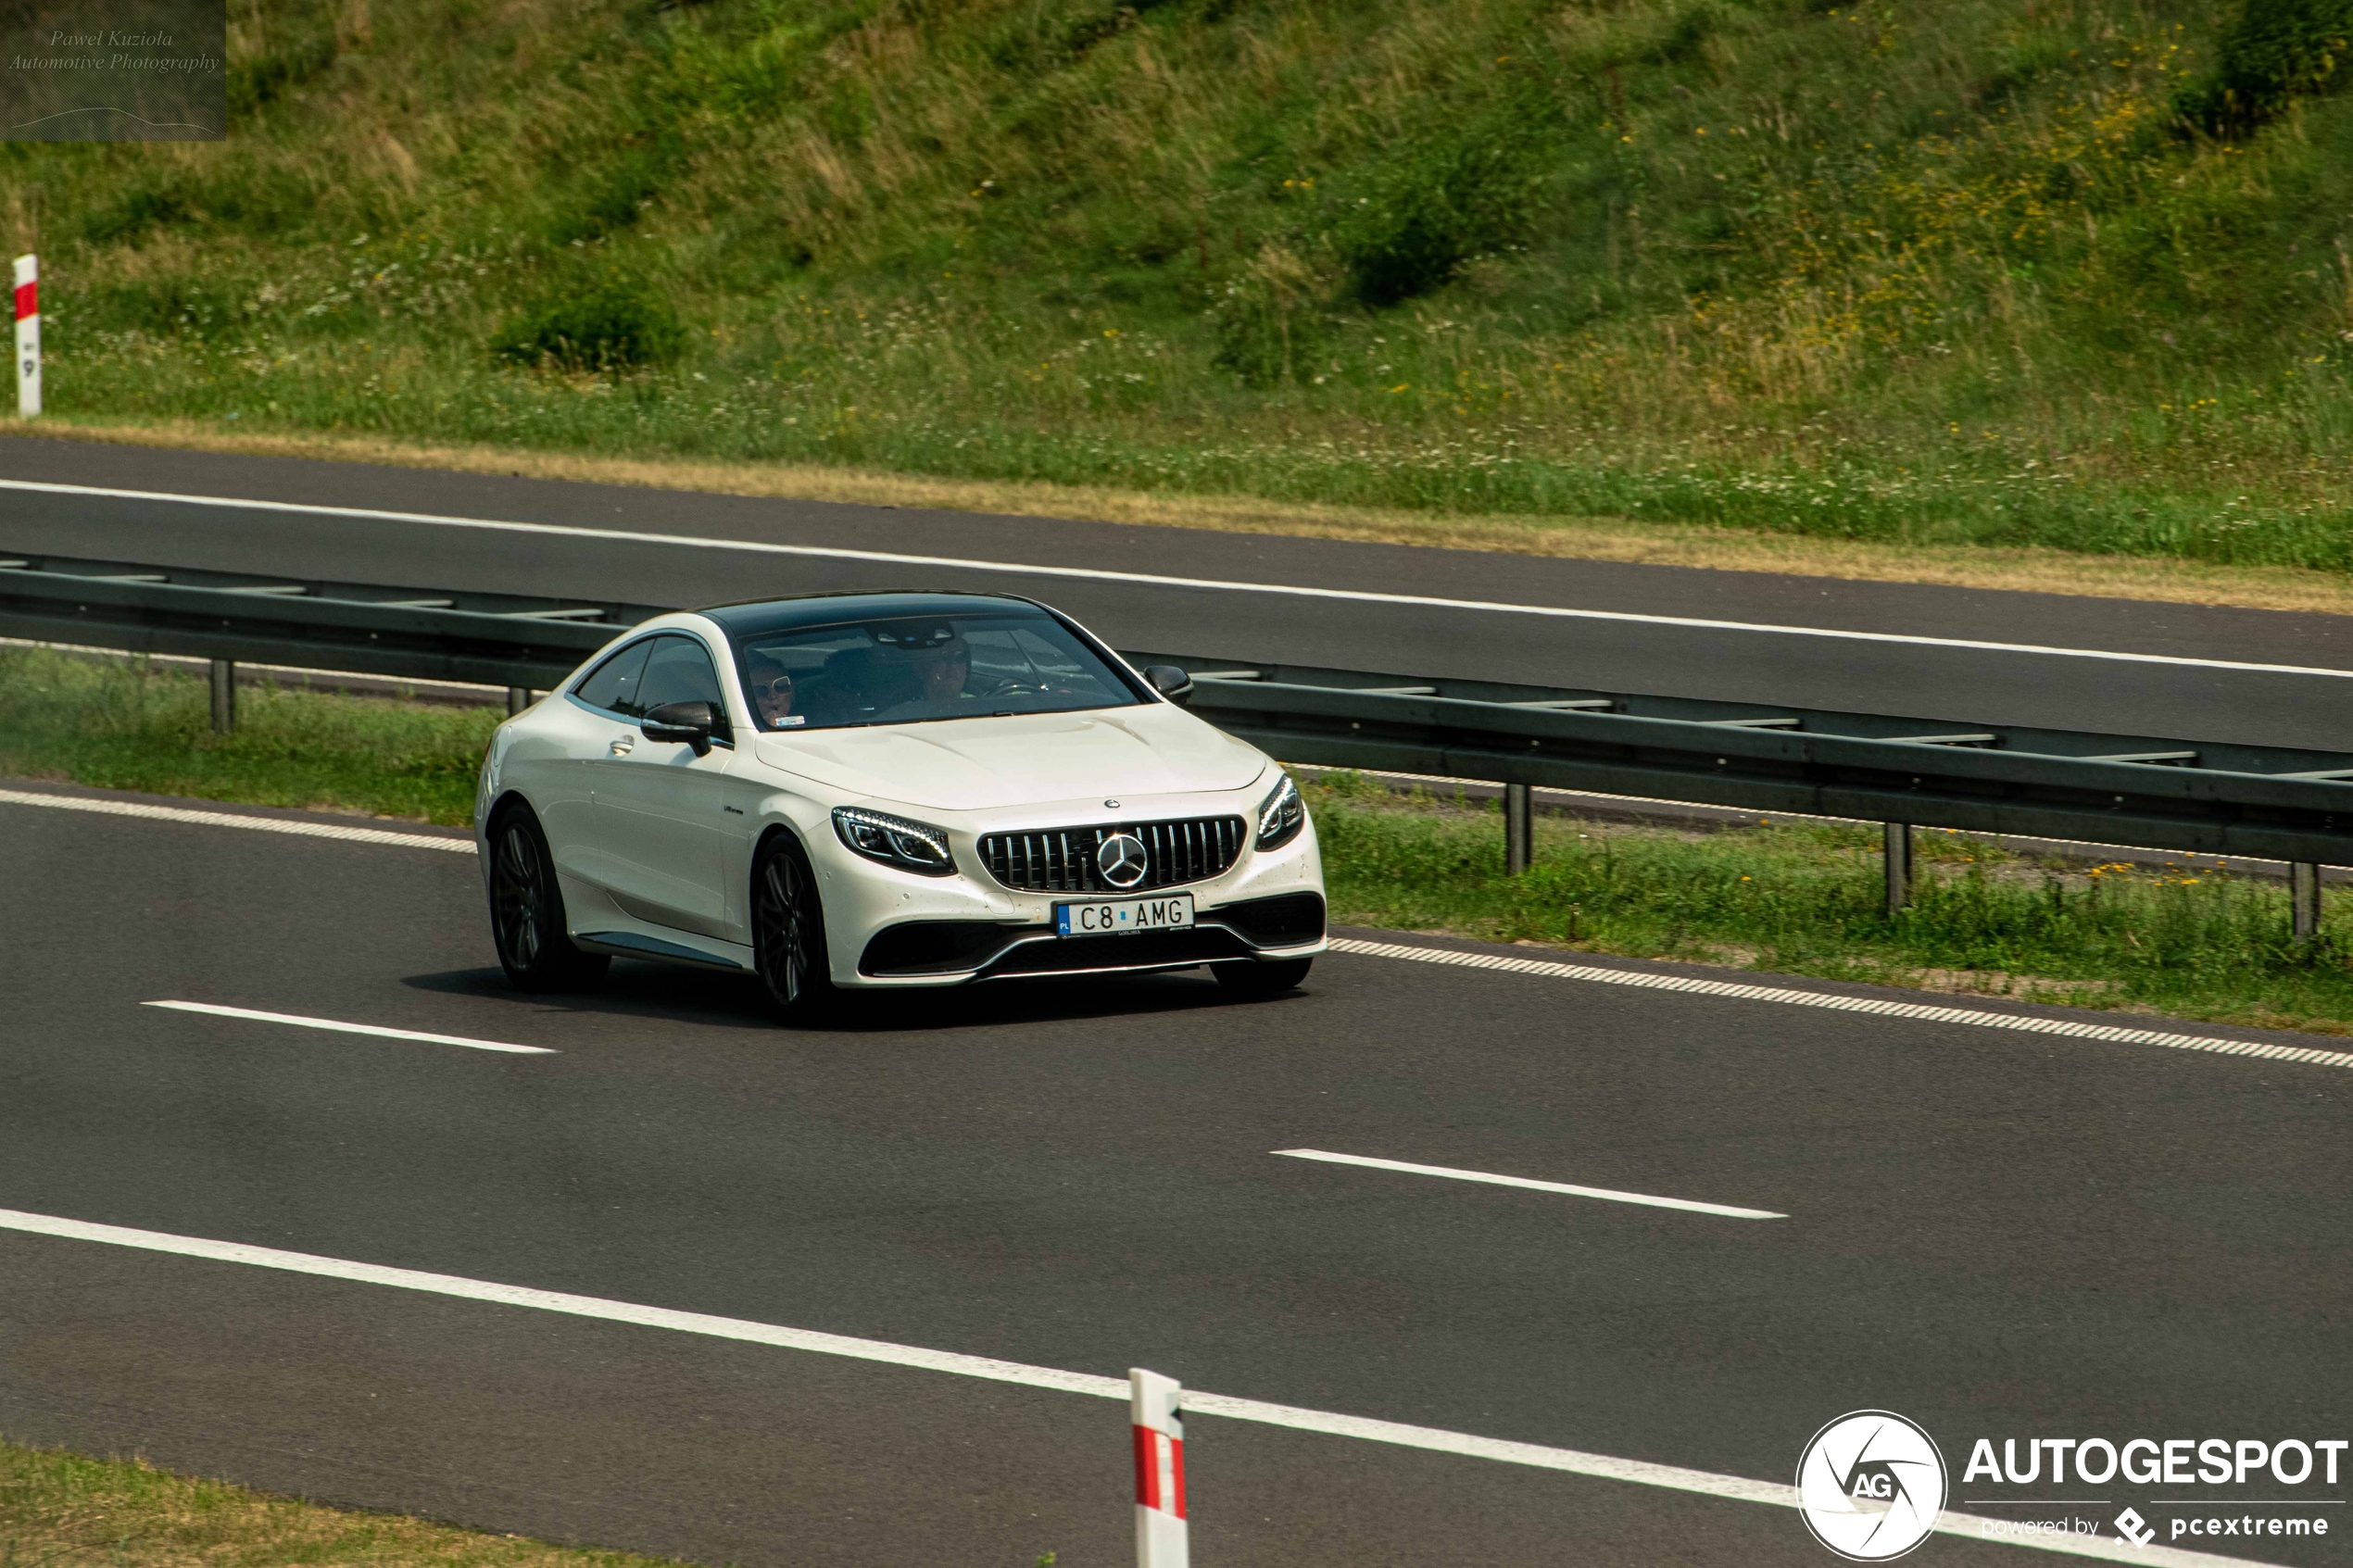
27,336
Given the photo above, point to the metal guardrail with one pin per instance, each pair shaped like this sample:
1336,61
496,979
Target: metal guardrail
2154,791
2150,791
367,629
2162,792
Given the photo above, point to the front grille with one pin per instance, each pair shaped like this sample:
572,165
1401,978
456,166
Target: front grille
1062,860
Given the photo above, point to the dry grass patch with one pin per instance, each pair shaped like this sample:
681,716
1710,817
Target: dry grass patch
61,1510
1949,981
1607,539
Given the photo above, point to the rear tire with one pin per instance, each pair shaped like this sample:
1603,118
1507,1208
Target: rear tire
788,933
1256,979
527,912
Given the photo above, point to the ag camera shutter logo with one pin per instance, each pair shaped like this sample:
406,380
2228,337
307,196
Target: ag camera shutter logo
1870,1485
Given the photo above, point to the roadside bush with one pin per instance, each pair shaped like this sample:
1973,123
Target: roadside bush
1441,202
609,320
1686,36
258,79
123,220
2275,50
613,199
166,304
260,198
1273,318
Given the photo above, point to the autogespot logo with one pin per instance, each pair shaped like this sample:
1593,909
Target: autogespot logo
1870,1485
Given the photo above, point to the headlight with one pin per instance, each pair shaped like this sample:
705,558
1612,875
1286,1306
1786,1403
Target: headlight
1280,814
894,841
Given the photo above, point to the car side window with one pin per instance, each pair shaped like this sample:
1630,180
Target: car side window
680,671
613,685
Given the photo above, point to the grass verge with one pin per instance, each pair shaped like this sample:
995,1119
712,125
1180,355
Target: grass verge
2190,942
61,1510
139,726
1805,899
2022,569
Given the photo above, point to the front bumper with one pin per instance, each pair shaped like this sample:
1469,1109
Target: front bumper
892,929
1287,925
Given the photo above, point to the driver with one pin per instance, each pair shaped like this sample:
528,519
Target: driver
941,670
918,670
771,690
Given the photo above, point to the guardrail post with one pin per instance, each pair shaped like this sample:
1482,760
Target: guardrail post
518,698
1160,1470
2304,901
1519,828
1899,865
224,697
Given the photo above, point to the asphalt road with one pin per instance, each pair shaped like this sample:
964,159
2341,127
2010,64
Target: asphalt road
1997,1233
1960,684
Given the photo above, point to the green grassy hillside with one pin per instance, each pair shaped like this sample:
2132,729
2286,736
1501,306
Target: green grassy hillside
2072,273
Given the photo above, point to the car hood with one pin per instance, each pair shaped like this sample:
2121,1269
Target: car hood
1026,758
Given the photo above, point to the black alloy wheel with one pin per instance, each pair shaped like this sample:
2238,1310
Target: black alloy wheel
788,933
527,912
1252,978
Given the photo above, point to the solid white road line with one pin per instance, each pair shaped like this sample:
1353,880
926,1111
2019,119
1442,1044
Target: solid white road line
1782,995
1791,998
1490,1177
231,820
335,1026
1332,1423
690,541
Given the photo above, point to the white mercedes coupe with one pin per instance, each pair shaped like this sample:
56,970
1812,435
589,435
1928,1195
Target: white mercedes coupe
870,791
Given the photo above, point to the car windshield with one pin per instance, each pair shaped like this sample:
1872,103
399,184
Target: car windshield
910,669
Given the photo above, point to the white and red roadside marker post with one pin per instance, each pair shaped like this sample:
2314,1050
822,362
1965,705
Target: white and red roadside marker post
1160,1470
27,336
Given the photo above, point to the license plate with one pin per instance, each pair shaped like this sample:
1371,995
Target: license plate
1121,917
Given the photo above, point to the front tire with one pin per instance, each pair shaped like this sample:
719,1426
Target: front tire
1254,979
788,933
527,912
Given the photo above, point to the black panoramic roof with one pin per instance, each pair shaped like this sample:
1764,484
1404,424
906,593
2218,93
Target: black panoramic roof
761,617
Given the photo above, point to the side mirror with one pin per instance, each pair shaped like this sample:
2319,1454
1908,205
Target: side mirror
690,722
1169,681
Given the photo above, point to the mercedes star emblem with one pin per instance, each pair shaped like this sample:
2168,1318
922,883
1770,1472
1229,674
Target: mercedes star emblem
1121,859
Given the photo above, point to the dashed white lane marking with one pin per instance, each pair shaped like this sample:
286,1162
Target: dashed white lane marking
231,820
1371,949
1789,998
338,1027
1330,1422
1494,1180
689,541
